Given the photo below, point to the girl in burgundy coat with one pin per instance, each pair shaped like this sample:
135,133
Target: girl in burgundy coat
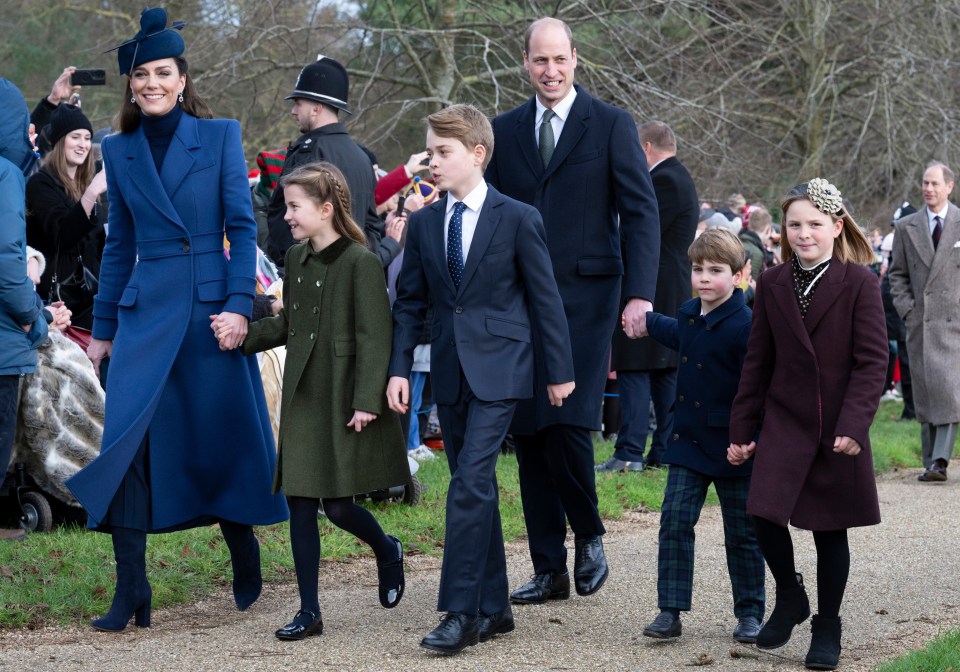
814,373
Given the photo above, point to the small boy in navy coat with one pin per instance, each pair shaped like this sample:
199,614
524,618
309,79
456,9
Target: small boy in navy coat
481,260
711,335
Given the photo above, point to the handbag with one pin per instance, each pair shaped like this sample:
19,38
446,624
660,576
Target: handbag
79,335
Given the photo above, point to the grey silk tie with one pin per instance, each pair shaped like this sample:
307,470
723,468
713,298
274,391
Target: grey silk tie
547,142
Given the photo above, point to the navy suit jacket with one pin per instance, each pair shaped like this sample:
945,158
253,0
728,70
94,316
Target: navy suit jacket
595,192
485,328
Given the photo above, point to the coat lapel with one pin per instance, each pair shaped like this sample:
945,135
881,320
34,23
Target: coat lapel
528,148
948,238
143,173
785,299
825,294
573,129
918,231
486,227
180,157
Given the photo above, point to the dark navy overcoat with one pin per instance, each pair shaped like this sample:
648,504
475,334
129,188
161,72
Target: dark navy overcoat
164,273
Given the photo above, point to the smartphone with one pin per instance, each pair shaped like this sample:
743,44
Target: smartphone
400,202
95,77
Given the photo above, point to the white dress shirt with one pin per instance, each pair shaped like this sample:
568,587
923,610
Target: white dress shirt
561,111
942,215
471,215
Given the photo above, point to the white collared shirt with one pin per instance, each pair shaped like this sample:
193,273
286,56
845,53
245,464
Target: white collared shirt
942,215
561,111
471,215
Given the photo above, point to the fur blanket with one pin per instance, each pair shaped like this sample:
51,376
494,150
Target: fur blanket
60,422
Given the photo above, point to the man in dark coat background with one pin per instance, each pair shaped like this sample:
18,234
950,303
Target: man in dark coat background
578,161
644,367
320,92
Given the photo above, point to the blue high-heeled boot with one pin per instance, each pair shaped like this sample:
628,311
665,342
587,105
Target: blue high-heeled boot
132,596
245,558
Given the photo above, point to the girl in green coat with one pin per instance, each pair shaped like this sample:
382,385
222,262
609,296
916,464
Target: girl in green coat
334,439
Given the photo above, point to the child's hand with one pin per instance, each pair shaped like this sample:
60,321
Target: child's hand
398,394
361,419
846,445
557,393
61,315
738,453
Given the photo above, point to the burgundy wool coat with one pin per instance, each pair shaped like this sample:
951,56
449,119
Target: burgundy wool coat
809,380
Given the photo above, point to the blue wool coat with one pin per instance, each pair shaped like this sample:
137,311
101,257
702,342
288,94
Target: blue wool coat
164,273
712,349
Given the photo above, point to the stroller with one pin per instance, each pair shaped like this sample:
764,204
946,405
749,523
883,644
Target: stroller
59,428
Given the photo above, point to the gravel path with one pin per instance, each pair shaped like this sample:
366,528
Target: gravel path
902,593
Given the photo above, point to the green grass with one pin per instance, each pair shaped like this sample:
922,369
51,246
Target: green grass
940,655
67,576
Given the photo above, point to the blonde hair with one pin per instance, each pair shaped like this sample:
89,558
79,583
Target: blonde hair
851,245
323,183
718,244
466,124
56,164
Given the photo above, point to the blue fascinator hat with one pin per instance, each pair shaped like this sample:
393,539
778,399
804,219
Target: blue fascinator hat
153,42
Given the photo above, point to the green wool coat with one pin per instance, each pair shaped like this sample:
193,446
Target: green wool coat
337,327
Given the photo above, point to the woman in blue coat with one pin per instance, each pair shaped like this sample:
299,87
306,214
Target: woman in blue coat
186,438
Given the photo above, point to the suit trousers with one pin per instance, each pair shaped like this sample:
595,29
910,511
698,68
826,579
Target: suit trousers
936,442
557,483
473,578
636,390
682,502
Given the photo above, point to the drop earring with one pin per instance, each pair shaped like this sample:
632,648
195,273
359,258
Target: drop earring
133,99
180,96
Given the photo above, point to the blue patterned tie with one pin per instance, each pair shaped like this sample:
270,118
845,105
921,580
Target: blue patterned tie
455,244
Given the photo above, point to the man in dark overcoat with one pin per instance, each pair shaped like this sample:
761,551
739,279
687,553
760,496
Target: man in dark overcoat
579,162
318,96
644,367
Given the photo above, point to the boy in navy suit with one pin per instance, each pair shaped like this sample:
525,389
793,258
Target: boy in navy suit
481,259
711,335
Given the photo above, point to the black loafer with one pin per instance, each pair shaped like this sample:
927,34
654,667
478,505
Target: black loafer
542,587
455,633
589,565
499,623
304,624
390,576
747,630
664,626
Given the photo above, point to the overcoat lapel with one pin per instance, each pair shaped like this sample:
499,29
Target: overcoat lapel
486,226
143,173
785,300
948,238
919,234
573,129
524,130
436,245
825,294
180,157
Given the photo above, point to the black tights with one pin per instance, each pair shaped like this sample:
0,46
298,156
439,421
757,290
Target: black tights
833,562
305,539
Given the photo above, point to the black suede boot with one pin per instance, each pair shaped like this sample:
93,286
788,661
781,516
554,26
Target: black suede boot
132,594
792,608
245,558
824,653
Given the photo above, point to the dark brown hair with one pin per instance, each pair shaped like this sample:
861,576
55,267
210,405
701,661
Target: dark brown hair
324,183
127,120
55,163
717,244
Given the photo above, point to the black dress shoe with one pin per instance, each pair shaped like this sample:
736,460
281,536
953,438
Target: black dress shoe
390,576
499,623
747,630
304,624
937,473
542,587
664,626
614,464
589,565
455,633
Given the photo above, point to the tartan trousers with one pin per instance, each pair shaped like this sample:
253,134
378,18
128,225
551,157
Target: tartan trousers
682,502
